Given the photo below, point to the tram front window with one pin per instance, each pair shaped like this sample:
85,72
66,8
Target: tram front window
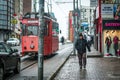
32,30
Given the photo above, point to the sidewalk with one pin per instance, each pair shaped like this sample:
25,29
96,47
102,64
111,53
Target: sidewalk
93,53
98,68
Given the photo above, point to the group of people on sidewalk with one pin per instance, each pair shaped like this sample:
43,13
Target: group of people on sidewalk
81,45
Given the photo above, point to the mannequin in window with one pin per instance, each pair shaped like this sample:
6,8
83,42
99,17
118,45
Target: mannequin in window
115,41
108,42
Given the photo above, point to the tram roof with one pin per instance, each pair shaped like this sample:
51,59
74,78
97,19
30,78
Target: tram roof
36,15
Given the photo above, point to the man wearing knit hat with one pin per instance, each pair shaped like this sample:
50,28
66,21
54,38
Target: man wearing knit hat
81,45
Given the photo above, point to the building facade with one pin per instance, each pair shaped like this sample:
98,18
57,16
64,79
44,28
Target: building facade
6,14
27,6
87,17
70,27
18,14
107,27
19,8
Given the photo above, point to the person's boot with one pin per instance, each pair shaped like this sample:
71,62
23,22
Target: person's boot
84,67
80,67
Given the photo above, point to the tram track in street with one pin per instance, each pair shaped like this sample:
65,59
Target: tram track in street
27,62
28,65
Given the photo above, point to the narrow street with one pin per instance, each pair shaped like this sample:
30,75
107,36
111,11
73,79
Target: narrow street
98,68
49,39
51,65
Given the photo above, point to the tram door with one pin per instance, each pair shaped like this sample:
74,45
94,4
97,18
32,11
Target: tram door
47,38
55,36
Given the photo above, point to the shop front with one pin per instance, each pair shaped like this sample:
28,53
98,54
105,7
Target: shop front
111,37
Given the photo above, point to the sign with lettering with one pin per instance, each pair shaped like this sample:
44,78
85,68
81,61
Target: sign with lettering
107,10
111,24
93,3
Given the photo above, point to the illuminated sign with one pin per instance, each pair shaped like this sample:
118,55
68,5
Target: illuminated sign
111,24
30,21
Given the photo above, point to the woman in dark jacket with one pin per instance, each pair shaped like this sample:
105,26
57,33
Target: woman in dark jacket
81,45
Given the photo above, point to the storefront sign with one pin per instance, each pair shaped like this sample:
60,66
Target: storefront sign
93,3
107,10
111,24
108,1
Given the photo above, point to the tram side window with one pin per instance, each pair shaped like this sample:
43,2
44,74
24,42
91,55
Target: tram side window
55,29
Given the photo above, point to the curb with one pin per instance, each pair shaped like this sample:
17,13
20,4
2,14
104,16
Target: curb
55,73
94,56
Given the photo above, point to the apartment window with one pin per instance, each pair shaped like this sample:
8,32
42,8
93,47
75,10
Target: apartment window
3,17
3,22
3,12
3,7
3,2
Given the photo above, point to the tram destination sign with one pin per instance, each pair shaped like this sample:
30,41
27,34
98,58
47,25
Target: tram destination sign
31,21
111,24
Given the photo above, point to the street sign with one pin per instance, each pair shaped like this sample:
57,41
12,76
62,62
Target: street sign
14,21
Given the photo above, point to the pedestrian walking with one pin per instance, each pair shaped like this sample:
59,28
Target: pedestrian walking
89,40
62,40
81,45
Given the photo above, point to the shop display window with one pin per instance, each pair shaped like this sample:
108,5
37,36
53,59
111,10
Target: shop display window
111,42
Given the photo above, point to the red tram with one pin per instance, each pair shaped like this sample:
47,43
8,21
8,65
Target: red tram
30,34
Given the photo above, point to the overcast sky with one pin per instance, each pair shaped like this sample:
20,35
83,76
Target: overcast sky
61,12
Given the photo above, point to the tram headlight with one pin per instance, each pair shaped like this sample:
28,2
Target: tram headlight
32,46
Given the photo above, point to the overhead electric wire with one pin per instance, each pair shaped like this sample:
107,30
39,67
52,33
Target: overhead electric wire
63,10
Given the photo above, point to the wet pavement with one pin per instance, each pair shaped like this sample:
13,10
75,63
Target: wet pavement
97,68
51,65
67,68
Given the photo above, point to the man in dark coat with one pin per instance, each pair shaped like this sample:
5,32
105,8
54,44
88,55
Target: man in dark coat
81,45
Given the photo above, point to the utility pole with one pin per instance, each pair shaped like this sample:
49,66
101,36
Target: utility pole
80,8
74,26
78,18
75,23
34,5
50,6
90,21
41,41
